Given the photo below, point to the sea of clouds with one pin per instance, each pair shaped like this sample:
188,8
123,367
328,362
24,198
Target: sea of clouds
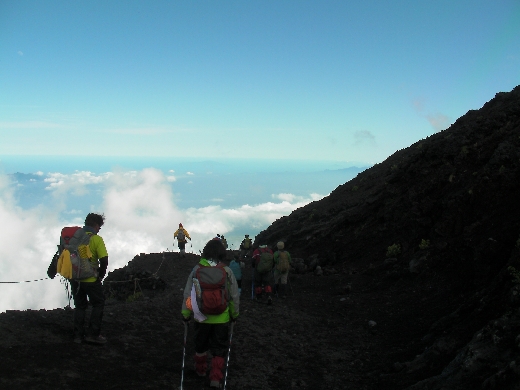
142,208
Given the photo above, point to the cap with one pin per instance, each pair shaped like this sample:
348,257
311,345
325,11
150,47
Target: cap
180,225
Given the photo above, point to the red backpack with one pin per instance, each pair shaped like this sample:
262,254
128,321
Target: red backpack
214,297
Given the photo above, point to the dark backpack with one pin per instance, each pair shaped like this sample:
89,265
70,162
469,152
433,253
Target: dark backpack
214,297
266,262
283,262
75,241
181,237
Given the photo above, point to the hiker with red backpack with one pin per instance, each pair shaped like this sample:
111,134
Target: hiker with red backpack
181,235
85,276
211,296
262,263
282,265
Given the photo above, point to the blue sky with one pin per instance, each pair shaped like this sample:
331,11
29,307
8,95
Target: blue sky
317,80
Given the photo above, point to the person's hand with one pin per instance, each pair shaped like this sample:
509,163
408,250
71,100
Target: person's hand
233,319
186,320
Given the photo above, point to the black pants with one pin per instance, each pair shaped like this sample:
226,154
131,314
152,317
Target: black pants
212,337
94,292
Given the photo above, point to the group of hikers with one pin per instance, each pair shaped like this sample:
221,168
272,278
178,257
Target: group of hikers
211,295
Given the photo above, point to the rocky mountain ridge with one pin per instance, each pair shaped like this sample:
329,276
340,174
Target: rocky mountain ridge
440,218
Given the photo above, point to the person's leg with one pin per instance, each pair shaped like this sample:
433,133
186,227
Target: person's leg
258,285
201,336
94,290
283,284
218,347
276,281
80,304
268,281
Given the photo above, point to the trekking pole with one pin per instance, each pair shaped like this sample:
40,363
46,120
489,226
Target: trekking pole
229,352
184,352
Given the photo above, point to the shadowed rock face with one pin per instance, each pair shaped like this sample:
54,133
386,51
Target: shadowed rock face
406,277
451,204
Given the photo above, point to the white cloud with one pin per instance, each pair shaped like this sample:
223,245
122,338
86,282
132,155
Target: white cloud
25,253
439,121
364,137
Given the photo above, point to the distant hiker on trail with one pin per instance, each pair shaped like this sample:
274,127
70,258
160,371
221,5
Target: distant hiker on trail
181,234
282,265
263,265
245,246
91,287
224,241
235,266
211,295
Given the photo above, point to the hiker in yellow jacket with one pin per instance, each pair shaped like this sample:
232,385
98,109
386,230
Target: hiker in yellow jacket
91,287
181,235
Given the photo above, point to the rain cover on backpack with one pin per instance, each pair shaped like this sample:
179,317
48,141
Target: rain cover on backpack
74,261
266,262
214,295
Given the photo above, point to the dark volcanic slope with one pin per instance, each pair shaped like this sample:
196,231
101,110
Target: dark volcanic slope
458,189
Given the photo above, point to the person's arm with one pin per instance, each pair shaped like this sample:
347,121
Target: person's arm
233,292
103,265
186,313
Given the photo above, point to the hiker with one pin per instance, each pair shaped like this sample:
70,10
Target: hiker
282,265
263,265
211,316
245,246
235,266
181,234
224,241
91,287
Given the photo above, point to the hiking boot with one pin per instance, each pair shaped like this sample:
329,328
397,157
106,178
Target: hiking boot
269,301
215,374
100,340
201,364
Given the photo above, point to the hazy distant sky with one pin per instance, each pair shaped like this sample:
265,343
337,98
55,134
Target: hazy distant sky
325,80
